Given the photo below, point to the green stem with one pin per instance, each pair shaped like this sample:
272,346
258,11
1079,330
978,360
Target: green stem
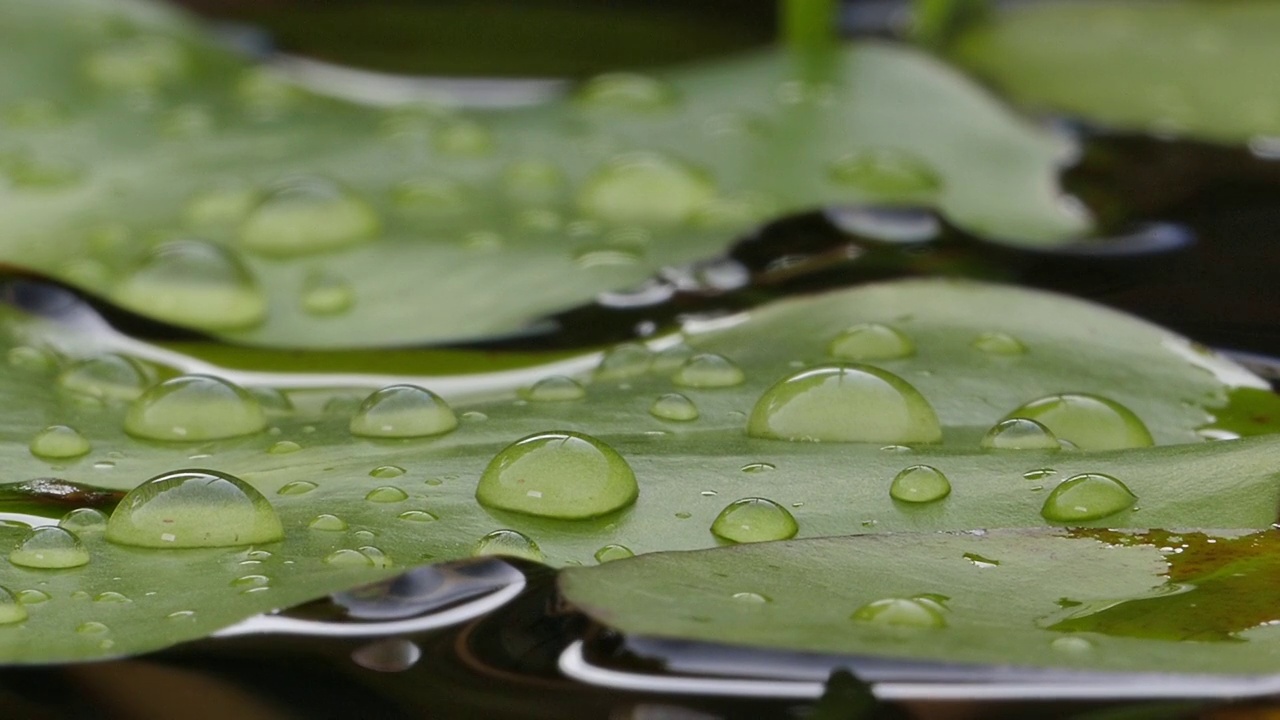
809,26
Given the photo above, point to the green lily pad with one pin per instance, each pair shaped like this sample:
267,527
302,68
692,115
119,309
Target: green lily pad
326,224
1182,67
1125,601
414,500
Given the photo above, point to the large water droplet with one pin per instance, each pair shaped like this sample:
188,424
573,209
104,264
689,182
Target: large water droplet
630,92
508,542
194,508
403,411
754,520
645,189
886,172
308,215
708,370
920,484
50,547
1089,496
901,612
84,520
194,407
386,494
1090,422
998,343
556,388
58,442
194,283
844,403
558,474
627,360
871,341
674,406
609,553
109,377
1020,434
324,294
11,611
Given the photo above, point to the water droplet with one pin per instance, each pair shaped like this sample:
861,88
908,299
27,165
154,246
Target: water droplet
920,484
417,516
556,388
110,596
1039,473
871,341
403,411
84,520
140,63
758,467
980,561
754,520
998,343
645,189
91,628
11,610
297,487
844,403
751,598
108,377
32,596
1090,422
623,361
50,547
348,558
324,294
1088,496
58,442
308,215
31,359
376,556
1071,645
675,407
283,447
671,358
194,508
629,92
328,523
593,256
508,542
609,553
181,615
1020,434
194,407
559,474
708,370
885,172
386,471
386,494
901,612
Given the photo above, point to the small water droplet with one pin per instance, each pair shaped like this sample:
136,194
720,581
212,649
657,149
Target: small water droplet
609,553
31,596
348,558
403,411
558,474
751,598
84,520
1089,496
645,189
50,547
308,215
998,343
508,542
193,283
419,516
386,471
675,407
901,612
758,467
297,487
1071,645
59,442
11,610
376,556
1039,473
387,655
1020,434
556,388
708,370
194,508
754,520
110,596
194,407
885,172
627,360
108,377
386,494
181,615
871,341
1090,422
920,484
324,294
627,92
844,403
91,628
328,523
284,447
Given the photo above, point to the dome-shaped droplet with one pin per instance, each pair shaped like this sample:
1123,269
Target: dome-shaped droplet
871,341
1089,422
1072,645
109,377
283,447
59,442
708,370
556,388
998,343
194,508
533,182
844,403
348,558
920,484
1089,496
324,294
627,360
754,520
1020,434
31,596
670,359
194,407
901,612
629,92
193,283
386,494
674,406
308,215
609,553
11,611
297,487
111,596
645,189
565,475
50,547
886,173
420,516
327,523
403,411
508,542
758,467
386,471
84,520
